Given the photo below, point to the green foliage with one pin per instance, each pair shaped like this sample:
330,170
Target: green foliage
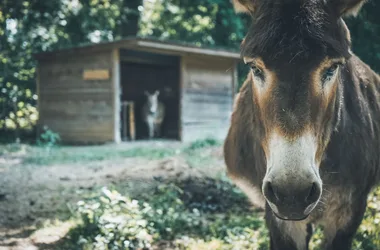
48,138
31,26
203,143
70,155
365,34
202,22
169,215
115,222
214,23
199,22
197,153
18,21
368,236
166,215
12,148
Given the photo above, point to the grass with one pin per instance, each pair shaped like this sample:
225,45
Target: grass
12,148
200,144
193,153
196,154
182,216
191,214
70,155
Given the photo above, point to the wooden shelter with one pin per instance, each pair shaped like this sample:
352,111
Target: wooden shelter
94,93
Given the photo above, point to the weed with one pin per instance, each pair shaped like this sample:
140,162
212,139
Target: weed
48,139
203,143
168,215
113,221
164,215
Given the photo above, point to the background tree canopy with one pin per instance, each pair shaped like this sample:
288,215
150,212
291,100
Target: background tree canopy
30,26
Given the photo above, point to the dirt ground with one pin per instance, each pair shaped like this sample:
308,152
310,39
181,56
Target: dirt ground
32,196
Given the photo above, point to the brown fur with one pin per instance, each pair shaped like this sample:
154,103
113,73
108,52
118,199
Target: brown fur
344,116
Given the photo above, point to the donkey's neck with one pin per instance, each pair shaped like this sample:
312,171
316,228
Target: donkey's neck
360,108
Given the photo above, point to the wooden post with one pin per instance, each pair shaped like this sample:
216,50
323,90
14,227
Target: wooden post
115,74
128,108
132,121
124,108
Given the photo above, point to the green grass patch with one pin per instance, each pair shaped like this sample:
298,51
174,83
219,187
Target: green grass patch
12,148
68,155
185,216
203,143
197,214
179,213
195,153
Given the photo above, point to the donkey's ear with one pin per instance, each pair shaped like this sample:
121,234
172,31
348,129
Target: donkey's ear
157,92
146,93
244,6
347,7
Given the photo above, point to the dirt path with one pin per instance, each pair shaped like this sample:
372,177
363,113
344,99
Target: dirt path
30,195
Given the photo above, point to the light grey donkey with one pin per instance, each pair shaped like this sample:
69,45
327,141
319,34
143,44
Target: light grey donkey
153,113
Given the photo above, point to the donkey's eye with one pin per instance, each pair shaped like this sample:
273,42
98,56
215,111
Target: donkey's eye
330,72
257,71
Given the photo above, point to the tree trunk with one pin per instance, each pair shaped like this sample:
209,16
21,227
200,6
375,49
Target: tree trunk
130,17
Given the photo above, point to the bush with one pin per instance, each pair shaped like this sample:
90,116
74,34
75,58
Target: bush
48,138
172,214
115,222
171,217
368,235
198,144
112,221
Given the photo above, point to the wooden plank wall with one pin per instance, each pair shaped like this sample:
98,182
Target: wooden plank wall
207,97
81,111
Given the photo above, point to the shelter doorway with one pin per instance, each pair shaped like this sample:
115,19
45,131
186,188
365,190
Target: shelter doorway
140,72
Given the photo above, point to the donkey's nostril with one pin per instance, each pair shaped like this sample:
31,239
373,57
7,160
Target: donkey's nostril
269,192
291,194
313,193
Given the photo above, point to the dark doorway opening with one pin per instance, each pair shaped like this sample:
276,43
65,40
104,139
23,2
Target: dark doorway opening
140,72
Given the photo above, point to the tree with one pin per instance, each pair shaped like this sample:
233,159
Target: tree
365,34
201,22
30,26
214,22
129,19
17,20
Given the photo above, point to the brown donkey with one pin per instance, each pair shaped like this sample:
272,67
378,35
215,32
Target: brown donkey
304,139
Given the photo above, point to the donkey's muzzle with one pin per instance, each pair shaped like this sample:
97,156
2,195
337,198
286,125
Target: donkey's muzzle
292,201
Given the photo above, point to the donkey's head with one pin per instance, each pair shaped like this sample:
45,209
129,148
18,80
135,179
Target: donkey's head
296,50
152,101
